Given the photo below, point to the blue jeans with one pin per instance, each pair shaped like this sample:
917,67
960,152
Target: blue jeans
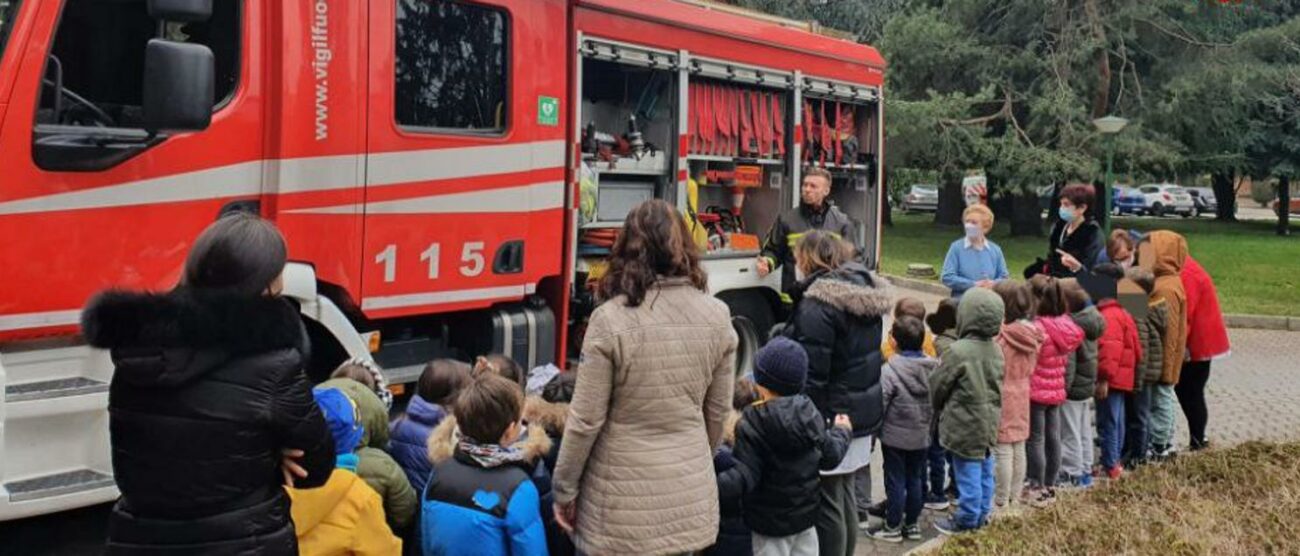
938,476
1110,423
975,483
1137,437
904,472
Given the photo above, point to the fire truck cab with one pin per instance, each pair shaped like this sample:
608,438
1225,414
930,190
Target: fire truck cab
448,174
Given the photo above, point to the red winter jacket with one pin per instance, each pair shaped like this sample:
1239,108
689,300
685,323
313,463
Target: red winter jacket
1207,337
1047,387
1119,349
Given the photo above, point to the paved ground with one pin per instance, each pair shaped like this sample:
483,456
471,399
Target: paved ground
1249,210
1252,395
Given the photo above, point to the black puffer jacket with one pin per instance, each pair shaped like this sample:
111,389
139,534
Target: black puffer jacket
208,389
734,537
792,225
781,445
838,319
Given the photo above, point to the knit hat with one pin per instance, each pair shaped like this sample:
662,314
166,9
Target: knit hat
781,366
341,417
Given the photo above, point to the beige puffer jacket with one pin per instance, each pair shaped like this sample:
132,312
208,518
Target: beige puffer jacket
653,392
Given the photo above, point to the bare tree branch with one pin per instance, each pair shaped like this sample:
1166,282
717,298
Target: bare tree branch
1182,37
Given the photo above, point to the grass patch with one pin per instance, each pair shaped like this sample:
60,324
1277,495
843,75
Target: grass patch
1238,501
1255,271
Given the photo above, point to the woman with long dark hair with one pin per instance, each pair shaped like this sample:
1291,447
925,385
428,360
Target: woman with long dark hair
210,413
838,318
635,471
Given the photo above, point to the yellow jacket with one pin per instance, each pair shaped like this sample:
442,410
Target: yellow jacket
888,349
345,516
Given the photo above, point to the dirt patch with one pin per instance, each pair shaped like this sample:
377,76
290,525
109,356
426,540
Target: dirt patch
1245,500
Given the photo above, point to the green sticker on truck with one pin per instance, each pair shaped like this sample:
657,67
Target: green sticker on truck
548,111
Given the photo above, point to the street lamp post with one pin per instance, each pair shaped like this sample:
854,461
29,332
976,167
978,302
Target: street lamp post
1108,126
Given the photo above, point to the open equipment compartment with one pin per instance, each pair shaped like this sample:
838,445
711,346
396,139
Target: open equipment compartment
840,124
740,146
628,118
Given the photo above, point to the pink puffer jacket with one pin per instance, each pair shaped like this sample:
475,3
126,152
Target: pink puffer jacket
1063,337
1020,343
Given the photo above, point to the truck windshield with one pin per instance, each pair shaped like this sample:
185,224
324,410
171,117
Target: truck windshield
8,9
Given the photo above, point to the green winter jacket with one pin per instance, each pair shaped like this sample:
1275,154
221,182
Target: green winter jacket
944,340
1151,333
375,466
1081,368
966,390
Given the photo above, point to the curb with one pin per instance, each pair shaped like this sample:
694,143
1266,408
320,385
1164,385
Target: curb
933,288
1262,322
1253,322
928,547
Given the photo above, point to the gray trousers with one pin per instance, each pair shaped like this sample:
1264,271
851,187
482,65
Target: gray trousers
1078,451
799,544
837,517
1043,457
862,489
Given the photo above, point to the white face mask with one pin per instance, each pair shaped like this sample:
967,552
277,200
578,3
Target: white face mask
798,274
974,231
1126,263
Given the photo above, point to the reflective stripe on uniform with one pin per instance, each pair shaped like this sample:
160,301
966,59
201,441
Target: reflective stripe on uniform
793,239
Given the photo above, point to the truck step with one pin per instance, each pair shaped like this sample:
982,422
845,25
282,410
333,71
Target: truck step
57,388
57,484
403,375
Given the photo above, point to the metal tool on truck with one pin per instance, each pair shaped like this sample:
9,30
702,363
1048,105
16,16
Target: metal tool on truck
425,160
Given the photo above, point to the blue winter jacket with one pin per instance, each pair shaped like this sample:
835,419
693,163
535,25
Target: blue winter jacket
409,438
469,509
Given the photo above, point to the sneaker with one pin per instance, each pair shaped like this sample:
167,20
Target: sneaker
878,509
912,532
1083,481
1043,498
936,503
948,526
1164,453
1116,472
886,533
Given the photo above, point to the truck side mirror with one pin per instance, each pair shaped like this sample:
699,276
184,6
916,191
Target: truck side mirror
186,11
179,81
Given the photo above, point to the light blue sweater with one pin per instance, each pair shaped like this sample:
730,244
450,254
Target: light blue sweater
964,266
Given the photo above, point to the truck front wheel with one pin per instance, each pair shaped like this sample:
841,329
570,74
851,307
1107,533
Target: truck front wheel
753,318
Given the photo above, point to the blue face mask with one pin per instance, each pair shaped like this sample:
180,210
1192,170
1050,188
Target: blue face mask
1066,214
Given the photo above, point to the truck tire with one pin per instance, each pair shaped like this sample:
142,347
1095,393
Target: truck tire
753,319
326,353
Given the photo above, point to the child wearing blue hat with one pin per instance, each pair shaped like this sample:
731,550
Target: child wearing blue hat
345,515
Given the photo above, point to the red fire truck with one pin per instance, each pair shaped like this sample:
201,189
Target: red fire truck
448,174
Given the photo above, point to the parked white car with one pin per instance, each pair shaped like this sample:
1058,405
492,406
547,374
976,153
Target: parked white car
1159,199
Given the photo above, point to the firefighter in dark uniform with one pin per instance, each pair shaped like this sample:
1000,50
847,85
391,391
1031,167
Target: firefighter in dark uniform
815,213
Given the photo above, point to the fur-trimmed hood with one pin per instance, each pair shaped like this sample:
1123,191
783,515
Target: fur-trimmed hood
852,289
729,428
170,338
550,416
443,440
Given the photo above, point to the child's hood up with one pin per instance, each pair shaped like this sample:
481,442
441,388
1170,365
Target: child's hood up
1170,252
1022,337
980,314
374,415
1090,321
